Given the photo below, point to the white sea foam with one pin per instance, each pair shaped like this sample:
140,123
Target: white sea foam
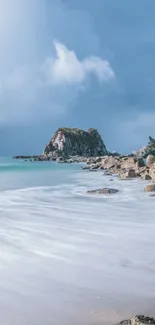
73,258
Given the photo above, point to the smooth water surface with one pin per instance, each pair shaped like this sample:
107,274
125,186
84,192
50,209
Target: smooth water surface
70,258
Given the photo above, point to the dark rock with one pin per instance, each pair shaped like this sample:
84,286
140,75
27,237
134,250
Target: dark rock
146,177
103,191
86,167
138,320
95,166
92,170
140,162
108,173
98,159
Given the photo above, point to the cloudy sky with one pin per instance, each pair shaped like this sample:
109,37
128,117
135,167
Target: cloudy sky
76,63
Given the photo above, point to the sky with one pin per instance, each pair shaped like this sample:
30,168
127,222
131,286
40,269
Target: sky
76,63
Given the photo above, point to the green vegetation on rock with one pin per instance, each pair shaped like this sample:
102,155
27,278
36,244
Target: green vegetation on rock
148,150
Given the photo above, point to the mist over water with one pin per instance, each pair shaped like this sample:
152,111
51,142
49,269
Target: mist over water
70,258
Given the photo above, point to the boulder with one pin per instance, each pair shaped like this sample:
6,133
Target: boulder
109,162
140,162
150,160
103,191
95,166
146,177
129,163
86,167
128,174
150,188
143,170
98,159
139,320
152,172
92,170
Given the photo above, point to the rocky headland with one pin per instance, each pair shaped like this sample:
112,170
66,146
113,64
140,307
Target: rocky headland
73,145
75,142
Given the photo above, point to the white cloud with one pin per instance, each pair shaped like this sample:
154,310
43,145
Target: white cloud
48,89
66,69
32,87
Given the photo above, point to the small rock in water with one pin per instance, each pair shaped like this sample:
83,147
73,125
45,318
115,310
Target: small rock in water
85,167
107,173
103,191
138,320
150,188
92,170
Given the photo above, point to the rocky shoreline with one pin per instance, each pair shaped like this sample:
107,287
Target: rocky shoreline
124,167
72,145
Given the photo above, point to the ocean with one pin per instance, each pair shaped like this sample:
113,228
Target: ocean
70,258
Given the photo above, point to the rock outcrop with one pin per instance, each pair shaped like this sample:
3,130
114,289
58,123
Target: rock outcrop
139,320
148,150
76,142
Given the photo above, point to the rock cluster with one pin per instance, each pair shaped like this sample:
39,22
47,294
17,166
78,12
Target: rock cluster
125,167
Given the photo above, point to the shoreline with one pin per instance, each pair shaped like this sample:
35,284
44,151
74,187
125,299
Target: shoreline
124,166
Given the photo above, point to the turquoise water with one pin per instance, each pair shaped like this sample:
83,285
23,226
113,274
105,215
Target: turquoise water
69,258
21,174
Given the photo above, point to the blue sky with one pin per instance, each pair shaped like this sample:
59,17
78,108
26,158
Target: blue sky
76,63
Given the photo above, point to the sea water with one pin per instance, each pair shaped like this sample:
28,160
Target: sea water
70,258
